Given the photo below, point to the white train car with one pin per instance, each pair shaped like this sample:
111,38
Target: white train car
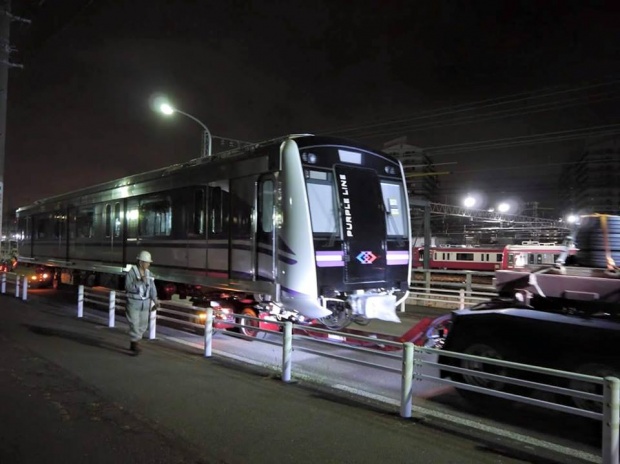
300,226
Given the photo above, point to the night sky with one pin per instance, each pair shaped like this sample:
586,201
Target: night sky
79,112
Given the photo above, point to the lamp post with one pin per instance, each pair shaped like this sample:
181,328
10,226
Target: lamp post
169,110
469,201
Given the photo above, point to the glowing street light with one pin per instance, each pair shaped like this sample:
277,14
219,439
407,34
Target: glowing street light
572,218
503,207
169,110
469,201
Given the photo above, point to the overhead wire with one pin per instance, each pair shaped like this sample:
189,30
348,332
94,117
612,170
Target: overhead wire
471,106
548,137
496,115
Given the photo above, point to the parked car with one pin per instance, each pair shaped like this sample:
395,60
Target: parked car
38,276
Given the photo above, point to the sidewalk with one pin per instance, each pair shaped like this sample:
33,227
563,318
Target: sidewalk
73,393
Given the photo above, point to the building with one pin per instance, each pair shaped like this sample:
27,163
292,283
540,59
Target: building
591,183
422,178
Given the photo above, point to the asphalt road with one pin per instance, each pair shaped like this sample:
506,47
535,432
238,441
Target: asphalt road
72,392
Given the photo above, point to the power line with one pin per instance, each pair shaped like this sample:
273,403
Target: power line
494,115
548,137
471,106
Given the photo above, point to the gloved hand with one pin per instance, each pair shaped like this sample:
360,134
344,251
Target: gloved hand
155,305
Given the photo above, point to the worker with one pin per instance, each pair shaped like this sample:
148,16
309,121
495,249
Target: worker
141,299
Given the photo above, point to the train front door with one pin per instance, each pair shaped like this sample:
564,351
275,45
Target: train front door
363,224
265,231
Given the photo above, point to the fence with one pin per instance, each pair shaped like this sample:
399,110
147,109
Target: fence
446,298
409,355
17,282
457,279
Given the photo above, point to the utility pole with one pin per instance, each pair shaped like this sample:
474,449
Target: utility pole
5,63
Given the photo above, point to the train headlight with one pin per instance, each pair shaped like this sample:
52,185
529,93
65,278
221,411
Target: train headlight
390,170
278,219
309,158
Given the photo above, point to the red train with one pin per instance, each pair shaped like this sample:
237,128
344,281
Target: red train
490,258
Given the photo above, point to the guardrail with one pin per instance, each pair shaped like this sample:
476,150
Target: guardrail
17,282
466,279
411,355
447,298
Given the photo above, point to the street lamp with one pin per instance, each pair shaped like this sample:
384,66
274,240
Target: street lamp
169,110
503,207
469,201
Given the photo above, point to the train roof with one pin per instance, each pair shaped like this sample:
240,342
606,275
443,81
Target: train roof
248,151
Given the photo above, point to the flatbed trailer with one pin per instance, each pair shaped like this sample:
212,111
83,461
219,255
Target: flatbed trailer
565,318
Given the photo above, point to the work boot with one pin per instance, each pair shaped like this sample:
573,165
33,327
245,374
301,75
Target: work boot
135,347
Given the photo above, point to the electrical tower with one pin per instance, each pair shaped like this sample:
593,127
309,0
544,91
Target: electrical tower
6,18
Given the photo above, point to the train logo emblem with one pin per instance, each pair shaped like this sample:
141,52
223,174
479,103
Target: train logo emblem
366,257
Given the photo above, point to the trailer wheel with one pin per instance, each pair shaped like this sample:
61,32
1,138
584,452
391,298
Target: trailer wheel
248,326
597,369
491,350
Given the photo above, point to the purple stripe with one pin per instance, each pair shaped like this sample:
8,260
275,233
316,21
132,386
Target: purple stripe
397,258
329,253
397,261
330,263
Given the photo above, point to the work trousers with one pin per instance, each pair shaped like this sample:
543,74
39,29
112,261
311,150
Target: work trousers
137,312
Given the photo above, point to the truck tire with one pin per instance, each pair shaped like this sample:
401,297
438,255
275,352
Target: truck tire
249,326
596,369
492,349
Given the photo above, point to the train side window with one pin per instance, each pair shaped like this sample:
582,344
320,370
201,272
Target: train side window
59,223
198,218
266,205
117,220
464,256
215,210
539,258
155,216
108,220
241,207
530,258
498,257
84,222
41,226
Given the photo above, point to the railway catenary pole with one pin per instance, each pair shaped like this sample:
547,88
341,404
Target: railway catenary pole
5,24
5,63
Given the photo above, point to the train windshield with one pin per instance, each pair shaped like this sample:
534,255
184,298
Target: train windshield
323,200
394,200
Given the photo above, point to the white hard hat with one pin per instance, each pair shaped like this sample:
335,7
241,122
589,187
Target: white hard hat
145,256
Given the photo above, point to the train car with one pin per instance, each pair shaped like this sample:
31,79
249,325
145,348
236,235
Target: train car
532,254
460,258
293,228
527,254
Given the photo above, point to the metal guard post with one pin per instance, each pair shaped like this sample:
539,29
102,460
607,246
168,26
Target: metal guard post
287,351
406,388
17,286
209,333
111,309
80,305
611,420
152,325
3,289
24,289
